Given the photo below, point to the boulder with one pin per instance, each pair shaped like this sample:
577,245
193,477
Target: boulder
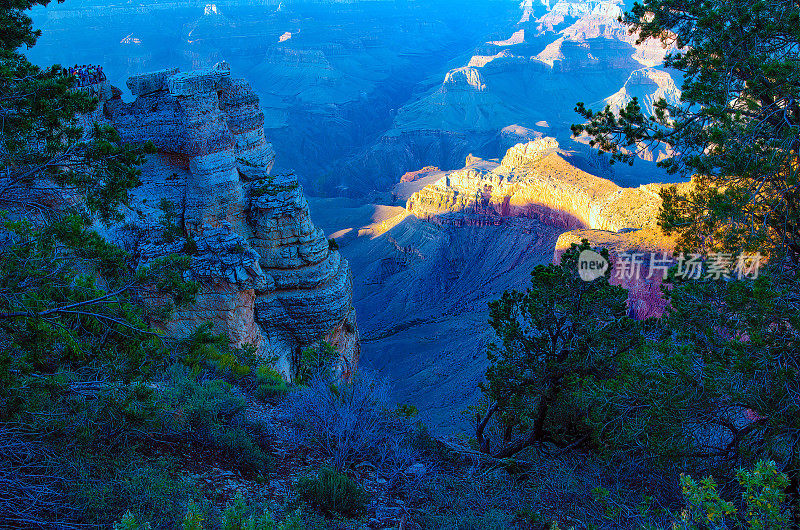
143,84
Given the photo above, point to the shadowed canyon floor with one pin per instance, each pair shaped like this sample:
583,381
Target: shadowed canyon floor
421,294
424,274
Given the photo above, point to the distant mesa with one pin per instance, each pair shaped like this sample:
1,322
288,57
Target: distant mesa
483,60
411,176
466,78
648,85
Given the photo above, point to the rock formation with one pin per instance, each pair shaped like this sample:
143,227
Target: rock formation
269,276
412,176
423,274
534,181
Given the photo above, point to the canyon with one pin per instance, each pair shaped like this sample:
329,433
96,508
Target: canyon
329,75
424,273
433,144
522,85
356,94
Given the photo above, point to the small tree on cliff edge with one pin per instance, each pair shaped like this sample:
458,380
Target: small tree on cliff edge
553,338
736,128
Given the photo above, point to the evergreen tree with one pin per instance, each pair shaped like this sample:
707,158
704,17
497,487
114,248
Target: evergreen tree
553,338
736,128
75,343
720,389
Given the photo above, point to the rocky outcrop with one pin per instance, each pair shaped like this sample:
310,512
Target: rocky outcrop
467,78
647,85
534,181
412,176
269,277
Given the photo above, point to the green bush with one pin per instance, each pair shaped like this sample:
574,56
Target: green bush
193,520
205,350
763,498
129,522
148,491
237,446
195,404
270,384
333,493
211,413
314,361
238,516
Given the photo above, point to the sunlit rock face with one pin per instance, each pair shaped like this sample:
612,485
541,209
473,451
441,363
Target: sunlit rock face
534,181
269,277
467,78
412,176
648,85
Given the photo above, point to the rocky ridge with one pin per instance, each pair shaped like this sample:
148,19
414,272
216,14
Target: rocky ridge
269,276
574,51
534,181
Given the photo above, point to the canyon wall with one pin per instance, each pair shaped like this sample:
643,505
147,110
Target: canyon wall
424,273
534,181
268,275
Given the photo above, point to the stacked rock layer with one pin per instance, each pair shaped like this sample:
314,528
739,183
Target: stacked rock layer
268,276
534,181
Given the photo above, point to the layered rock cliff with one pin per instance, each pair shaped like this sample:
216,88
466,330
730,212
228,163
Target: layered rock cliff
534,181
269,276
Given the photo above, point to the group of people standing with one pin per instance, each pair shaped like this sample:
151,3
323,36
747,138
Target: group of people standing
87,74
